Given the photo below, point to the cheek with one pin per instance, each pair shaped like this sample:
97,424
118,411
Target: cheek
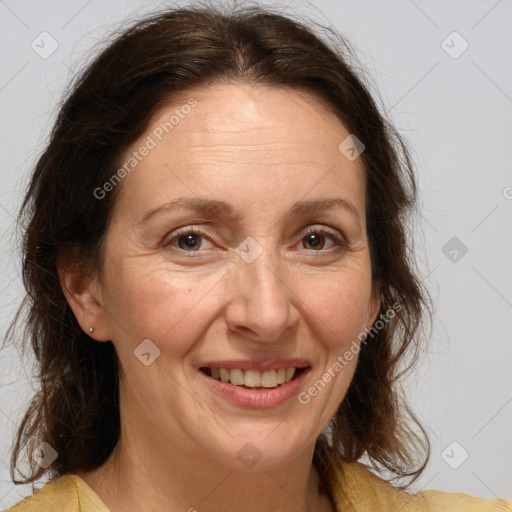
340,303
169,308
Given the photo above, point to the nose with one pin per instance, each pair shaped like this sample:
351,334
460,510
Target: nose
262,302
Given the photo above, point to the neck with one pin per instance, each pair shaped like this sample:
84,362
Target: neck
152,473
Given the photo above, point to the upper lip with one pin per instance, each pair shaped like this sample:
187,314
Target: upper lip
252,364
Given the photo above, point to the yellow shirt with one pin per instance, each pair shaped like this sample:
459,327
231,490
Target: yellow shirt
358,490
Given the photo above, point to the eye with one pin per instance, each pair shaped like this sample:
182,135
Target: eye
192,240
188,240
316,238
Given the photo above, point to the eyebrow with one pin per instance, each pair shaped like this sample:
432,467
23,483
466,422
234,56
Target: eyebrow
221,208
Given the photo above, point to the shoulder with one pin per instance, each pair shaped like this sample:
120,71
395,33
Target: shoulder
440,501
357,489
43,499
68,493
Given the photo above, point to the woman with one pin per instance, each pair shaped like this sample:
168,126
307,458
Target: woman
220,293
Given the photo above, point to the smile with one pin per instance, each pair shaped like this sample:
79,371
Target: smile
252,388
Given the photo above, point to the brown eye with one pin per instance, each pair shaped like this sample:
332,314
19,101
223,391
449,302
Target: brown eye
316,241
190,241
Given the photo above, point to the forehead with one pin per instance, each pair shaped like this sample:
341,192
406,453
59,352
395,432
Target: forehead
255,140
243,113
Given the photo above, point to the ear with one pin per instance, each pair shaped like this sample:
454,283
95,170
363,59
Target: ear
83,293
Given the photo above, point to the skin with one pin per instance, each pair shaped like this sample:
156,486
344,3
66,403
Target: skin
260,149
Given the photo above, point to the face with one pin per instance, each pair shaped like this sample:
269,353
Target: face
237,250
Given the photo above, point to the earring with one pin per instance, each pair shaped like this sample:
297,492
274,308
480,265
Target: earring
91,329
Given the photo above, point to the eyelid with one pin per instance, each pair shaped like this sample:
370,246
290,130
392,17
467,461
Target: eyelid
325,230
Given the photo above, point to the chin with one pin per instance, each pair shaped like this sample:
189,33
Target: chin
262,449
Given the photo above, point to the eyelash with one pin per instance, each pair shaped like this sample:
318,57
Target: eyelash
339,240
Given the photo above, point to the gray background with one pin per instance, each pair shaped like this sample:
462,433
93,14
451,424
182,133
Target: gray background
455,112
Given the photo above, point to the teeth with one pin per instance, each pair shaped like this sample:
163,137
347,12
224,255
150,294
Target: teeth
254,378
289,374
237,377
269,379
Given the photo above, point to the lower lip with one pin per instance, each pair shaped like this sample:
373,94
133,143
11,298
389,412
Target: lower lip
258,398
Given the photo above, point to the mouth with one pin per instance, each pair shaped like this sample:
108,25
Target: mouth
254,379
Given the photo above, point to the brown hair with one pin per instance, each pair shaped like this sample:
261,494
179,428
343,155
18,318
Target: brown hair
106,109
